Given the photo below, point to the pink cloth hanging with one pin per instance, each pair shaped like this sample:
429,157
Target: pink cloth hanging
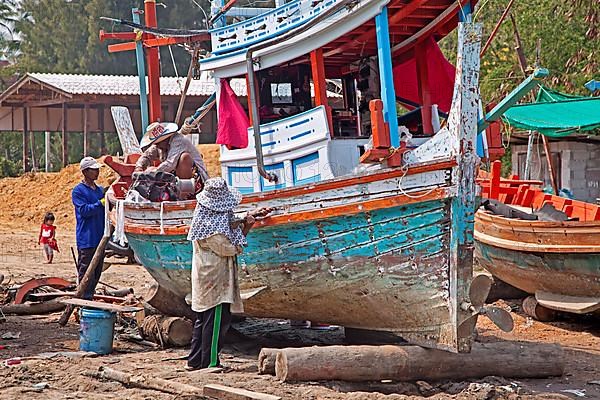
441,78
232,129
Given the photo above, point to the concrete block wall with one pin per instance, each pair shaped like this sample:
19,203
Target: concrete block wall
579,169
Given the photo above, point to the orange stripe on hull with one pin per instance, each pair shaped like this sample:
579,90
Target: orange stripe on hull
350,209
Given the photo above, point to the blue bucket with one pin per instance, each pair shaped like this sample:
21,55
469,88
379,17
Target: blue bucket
96,329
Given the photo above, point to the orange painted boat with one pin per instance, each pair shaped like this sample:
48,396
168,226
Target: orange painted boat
558,262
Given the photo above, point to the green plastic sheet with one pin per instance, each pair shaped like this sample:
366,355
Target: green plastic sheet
556,114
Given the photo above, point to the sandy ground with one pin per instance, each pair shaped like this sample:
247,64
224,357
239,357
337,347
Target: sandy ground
20,259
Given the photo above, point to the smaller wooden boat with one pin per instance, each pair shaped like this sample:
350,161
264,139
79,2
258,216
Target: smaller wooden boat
558,262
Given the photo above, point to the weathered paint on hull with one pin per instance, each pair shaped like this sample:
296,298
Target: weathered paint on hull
384,269
574,274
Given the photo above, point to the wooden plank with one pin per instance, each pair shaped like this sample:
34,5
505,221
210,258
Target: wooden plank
60,293
572,304
101,306
229,393
25,140
65,139
318,75
86,129
424,88
124,126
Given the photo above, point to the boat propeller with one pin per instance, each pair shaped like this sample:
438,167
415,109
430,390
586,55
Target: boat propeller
478,292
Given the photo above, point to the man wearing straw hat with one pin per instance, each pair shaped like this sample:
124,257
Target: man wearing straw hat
177,154
216,238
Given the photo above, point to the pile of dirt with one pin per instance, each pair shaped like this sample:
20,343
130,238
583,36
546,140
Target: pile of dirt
25,200
211,154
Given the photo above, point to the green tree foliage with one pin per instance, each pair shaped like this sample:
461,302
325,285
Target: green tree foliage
9,45
62,36
570,43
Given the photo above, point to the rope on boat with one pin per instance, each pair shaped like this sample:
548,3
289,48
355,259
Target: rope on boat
404,169
168,32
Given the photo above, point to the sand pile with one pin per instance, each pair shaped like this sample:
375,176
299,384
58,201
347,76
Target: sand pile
211,154
25,200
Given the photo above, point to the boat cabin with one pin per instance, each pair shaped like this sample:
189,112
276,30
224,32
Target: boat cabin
306,136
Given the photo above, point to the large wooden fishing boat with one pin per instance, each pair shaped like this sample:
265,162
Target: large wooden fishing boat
373,236
557,261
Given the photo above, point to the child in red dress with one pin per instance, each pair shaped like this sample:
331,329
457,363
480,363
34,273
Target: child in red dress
47,237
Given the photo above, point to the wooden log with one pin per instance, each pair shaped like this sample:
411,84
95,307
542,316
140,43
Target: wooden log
167,331
266,361
168,303
149,382
45,307
409,363
537,311
85,282
228,393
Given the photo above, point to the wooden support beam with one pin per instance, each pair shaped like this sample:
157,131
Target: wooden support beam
398,16
86,149
423,87
318,74
141,69
45,103
153,63
444,17
152,43
549,162
116,35
25,140
65,139
103,150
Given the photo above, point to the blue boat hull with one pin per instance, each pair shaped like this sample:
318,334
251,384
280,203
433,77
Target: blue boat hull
384,269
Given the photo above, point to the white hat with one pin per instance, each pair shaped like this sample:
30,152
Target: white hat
89,162
217,196
157,132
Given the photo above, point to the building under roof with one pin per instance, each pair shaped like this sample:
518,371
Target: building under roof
81,103
70,103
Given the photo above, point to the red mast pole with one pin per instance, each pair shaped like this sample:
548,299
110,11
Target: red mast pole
153,64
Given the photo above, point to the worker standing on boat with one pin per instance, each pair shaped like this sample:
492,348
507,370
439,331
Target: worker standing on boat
216,239
88,200
176,153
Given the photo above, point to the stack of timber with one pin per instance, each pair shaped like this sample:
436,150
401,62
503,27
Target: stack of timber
545,245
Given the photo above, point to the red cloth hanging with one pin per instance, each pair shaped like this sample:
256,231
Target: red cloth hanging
440,73
232,129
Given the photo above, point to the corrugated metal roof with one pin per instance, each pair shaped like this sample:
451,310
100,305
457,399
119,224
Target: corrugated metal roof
129,85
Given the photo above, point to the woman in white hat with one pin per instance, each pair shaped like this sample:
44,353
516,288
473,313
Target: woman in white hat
216,239
177,154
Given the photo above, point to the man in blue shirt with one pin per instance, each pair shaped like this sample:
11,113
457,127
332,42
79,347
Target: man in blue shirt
88,199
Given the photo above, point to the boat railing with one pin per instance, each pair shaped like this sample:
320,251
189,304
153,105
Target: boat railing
528,193
295,149
267,25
